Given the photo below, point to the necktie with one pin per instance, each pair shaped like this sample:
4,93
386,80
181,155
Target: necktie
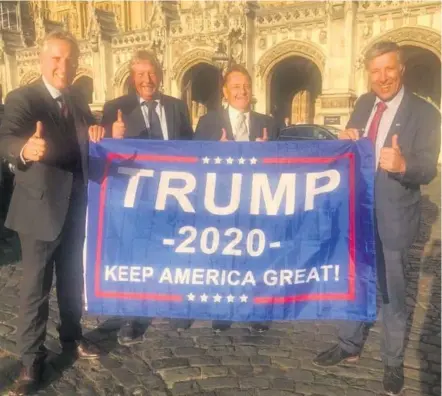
155,131
242,134
374,126
64,111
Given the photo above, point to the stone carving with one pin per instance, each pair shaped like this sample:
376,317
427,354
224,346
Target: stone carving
367,31
337,102
323,36
188,60
29,77
290,48
421,37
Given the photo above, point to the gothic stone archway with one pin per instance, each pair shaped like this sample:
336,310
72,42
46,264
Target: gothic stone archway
285,50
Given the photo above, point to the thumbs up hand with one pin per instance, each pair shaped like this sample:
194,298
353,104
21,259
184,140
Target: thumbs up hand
35,147
118,127
224,136
391,158
265,136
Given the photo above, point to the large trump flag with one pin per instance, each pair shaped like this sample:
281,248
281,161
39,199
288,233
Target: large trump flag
234,231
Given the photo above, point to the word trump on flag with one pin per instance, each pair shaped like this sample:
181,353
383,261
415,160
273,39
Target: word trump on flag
231,231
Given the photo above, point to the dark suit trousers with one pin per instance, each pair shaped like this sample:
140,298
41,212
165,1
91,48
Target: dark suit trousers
393,314
39,259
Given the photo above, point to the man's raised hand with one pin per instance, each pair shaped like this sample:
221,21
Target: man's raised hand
118,127
35,147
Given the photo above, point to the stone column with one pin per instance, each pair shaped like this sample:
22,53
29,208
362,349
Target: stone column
337,99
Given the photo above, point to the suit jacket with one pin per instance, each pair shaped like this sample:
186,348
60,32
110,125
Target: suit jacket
210,126
397,197
43,190
177,117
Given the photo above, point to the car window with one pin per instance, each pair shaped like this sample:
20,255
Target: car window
320,134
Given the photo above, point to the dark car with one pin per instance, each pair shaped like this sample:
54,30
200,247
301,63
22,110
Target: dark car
308,132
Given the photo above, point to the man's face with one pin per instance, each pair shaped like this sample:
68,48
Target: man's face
238,91
58,63
386,74
146,79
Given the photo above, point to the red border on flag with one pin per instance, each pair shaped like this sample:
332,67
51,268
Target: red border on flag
349,296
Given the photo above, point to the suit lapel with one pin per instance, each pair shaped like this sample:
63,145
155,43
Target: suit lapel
136,126
50,105
255,128
400,119
169,112
225,123
365,115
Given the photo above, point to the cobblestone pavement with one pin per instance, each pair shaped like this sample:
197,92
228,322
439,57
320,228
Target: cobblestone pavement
239,362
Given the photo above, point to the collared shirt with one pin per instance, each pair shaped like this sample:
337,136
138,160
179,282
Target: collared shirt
54,92
386,121
233,117
161,114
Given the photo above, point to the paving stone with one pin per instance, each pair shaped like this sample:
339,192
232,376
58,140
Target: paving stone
180,374
254,383
359,392
204,361
285,363
214,371
185,388
218,383
170,363
273,392
273,352
185,352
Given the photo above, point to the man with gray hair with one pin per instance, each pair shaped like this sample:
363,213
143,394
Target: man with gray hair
405,132
144,114
44,134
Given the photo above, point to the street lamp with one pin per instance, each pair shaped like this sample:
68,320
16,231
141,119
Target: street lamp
222,60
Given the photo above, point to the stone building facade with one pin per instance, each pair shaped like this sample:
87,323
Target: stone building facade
305,57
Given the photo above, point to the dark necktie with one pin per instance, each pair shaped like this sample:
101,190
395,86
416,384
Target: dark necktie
64,111
155,131
374,126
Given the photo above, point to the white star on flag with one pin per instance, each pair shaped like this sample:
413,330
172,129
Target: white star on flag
206,160
204,297
229,160
217,298
242,161
218,160
243,298
191,297
253,161
230,298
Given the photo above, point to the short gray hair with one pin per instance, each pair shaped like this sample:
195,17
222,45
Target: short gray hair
381,48
61,35
146,56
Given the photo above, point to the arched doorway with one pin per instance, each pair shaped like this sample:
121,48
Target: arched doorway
295,83
201,90
84,85
422,73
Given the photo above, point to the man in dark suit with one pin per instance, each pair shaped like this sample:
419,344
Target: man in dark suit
405,131
237,123
145,114
44,134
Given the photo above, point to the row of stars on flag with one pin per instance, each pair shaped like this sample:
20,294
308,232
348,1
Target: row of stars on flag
217,298
229,161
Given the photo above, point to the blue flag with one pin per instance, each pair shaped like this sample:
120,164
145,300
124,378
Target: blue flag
231,231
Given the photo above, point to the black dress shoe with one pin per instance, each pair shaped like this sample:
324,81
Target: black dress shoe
81,350
260,327
130,334
334,356
393,380
28,381
221,325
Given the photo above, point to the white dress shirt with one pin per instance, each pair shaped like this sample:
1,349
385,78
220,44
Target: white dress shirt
159,109
233,117
386,121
